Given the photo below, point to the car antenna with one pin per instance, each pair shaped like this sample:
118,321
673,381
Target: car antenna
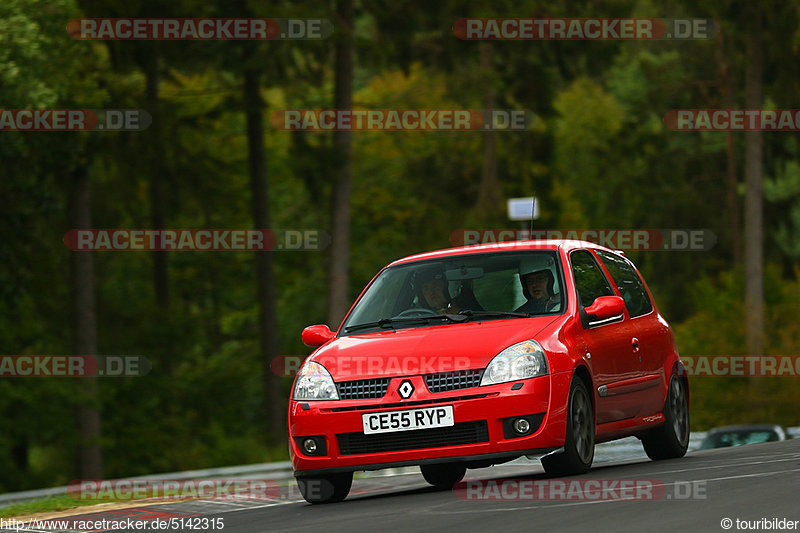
533,210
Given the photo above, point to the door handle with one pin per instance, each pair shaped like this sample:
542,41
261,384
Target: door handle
635,344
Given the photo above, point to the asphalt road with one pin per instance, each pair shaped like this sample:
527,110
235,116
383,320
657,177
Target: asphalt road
694,493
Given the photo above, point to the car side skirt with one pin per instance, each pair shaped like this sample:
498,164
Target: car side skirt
628,427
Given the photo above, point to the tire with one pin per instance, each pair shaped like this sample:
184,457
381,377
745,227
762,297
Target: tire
443,475
671,440
578,451
325,489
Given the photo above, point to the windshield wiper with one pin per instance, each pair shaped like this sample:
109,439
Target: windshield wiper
470,313
384,322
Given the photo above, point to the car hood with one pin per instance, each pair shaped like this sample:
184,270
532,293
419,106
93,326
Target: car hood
424,350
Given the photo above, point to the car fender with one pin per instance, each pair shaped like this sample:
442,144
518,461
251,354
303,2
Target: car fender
560,383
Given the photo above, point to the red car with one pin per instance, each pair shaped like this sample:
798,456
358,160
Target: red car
474,356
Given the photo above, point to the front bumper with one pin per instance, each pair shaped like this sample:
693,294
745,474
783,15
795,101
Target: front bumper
479,435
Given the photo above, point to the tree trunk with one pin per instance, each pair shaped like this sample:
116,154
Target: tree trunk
732,182
267,316
84,327
157,169
339,274
754,226
19,454
489,190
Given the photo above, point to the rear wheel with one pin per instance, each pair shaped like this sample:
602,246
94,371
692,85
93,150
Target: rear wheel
325,489
672,439
443,475
578,451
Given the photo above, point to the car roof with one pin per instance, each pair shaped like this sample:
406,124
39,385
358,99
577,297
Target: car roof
508,246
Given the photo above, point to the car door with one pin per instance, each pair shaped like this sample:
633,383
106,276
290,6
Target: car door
607,342
651,336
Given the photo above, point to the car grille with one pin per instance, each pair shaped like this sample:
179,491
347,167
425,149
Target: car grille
461,433
362,389
370,407
448,381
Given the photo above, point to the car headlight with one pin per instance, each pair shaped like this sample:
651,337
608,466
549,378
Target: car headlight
521,361
314,382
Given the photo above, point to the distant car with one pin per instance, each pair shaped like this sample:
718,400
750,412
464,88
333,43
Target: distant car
723,437
474,356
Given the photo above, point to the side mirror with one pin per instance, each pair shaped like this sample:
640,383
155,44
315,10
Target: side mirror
318,335
605,307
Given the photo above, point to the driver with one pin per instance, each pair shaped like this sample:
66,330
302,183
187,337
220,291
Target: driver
432,293
537,276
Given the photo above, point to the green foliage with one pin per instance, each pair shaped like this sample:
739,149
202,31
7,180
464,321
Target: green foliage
716,329
46,505
785,189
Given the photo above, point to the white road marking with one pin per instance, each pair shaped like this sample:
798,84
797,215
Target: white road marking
793,457
572,504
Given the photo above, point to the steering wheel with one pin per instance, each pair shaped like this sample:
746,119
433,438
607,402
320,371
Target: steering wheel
417,311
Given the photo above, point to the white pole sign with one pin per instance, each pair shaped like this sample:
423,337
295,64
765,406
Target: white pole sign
523,208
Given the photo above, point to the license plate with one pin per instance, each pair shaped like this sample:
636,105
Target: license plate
391,421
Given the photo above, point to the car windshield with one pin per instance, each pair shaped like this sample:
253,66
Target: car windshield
738,438
458,289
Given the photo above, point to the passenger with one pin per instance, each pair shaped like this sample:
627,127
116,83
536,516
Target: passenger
537,276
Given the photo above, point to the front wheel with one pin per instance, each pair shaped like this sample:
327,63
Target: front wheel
578,451
325,489
672,439
443,475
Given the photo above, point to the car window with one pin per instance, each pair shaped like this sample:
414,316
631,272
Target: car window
629,284
485,283
386,296
499,290
738,438
589,279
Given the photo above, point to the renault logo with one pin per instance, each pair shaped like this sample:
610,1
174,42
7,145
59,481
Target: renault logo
406,389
